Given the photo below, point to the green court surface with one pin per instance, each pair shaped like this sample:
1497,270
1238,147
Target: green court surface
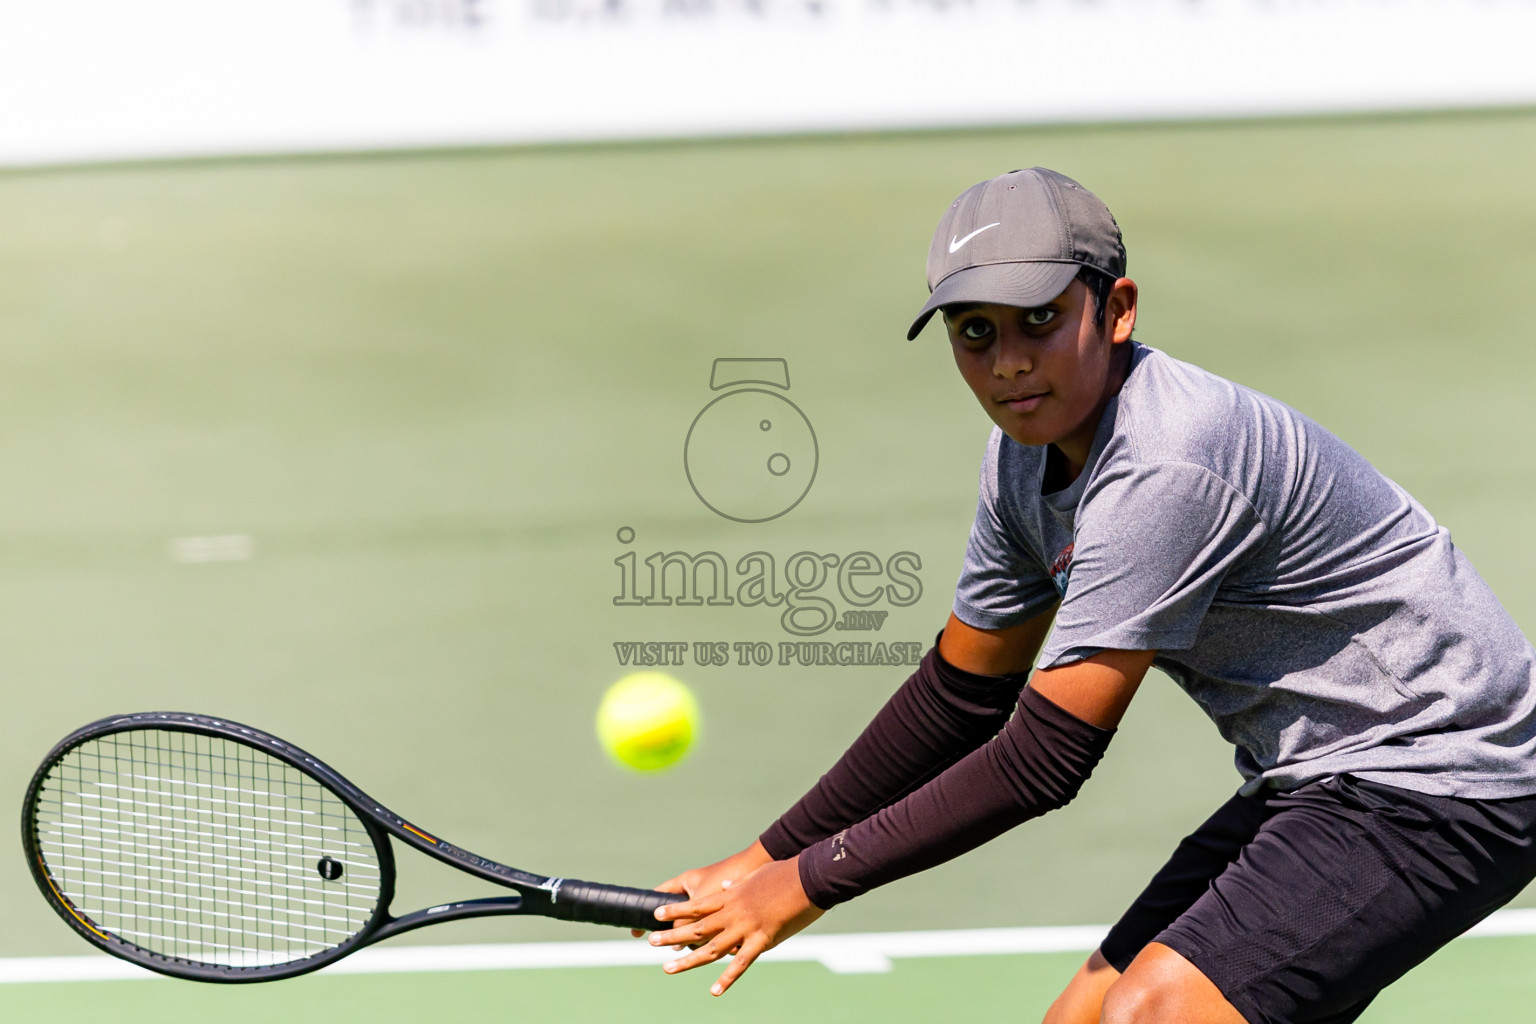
1471,980
431,389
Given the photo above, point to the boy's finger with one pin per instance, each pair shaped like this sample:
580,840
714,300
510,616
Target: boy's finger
674,938
690,933
702,906
640,934
746,953
657,935
708,953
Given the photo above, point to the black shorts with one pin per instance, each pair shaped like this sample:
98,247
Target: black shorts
1301,906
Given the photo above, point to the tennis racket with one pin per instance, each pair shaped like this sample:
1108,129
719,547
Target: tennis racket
205,849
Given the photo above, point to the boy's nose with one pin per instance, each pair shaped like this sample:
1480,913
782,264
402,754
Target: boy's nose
1013,357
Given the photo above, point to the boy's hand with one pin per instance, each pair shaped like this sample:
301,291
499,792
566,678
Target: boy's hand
743,918
706,880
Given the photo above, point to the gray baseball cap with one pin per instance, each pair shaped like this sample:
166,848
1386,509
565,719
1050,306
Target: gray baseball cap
1019,240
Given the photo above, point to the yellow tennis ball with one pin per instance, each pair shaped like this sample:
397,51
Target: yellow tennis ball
647,721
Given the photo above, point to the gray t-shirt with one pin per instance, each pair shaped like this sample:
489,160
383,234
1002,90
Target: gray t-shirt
1315,611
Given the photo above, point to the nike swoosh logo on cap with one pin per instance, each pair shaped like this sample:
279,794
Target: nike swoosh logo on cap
956,243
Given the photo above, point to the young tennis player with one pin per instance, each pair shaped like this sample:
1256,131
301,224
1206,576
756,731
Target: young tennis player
1380,700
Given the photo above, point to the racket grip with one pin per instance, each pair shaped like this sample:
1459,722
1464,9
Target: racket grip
595,903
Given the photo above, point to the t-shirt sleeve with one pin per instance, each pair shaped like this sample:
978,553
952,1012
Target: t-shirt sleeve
1152,546
1003,583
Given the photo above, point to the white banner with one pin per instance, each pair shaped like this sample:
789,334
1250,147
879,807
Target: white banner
124,79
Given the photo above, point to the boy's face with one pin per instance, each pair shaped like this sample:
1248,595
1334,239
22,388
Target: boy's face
1044,374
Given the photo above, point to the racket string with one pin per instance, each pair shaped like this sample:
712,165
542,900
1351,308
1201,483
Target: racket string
205,849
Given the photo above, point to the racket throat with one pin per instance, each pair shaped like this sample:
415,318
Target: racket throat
494,907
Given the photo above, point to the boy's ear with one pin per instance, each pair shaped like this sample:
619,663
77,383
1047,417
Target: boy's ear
1120,310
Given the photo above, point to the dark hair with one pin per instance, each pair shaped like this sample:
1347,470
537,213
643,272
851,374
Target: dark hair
1100,284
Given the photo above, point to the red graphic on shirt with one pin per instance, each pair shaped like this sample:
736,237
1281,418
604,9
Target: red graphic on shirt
1062,568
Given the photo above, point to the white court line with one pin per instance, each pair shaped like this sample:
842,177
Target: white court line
866,953
230,547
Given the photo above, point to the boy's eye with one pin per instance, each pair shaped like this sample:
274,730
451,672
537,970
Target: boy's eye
975,330
1039,317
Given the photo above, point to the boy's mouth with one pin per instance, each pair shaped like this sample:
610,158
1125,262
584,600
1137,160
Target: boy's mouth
1024,403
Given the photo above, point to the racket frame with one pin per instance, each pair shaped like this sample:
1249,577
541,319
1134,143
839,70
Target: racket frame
536,894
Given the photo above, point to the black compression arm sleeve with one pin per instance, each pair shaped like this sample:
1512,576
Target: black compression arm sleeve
938,716
1036,764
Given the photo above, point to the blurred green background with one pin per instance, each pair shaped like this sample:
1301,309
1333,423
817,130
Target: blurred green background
431,388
